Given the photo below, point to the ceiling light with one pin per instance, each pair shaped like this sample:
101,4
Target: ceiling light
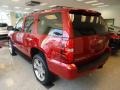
25,12
15,0
103,6
97,4
18,11
43,4
92,1
8,10
17,7
27,8
79,0
5,6
36,9
52,6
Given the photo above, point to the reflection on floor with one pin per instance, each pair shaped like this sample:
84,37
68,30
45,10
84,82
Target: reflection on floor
17,74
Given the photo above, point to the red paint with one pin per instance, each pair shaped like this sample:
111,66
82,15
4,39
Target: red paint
62,53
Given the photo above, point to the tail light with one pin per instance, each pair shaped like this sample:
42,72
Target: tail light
67,52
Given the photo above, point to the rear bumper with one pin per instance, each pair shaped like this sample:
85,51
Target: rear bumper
71,71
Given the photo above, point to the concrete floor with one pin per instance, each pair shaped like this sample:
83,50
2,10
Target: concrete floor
16,74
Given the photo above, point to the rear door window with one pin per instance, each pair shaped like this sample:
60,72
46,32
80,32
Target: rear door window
50,24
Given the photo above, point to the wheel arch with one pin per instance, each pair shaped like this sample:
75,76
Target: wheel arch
35,51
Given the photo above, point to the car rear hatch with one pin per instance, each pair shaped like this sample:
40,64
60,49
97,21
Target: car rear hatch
90,37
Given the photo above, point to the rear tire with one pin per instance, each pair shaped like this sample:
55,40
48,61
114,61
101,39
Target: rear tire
41,71
11,48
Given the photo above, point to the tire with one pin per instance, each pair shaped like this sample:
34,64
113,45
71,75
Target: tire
43,75
11,48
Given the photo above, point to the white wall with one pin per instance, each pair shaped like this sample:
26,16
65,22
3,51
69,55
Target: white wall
13,18
8,17
111,12
4,17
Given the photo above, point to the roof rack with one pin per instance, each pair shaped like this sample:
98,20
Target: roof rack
56,7
59,7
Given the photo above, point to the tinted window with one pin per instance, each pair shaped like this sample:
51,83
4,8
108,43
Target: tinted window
49,24
28,24
19,24
84,24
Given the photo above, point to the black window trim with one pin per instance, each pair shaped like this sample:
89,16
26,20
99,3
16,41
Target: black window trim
26,31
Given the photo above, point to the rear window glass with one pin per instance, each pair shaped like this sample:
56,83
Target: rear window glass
88,24
83,18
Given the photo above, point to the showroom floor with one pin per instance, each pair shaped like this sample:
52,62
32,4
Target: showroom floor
16,74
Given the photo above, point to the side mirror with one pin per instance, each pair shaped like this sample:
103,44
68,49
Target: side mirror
3,25
9,28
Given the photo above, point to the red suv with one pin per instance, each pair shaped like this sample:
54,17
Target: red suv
114,42
62,41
